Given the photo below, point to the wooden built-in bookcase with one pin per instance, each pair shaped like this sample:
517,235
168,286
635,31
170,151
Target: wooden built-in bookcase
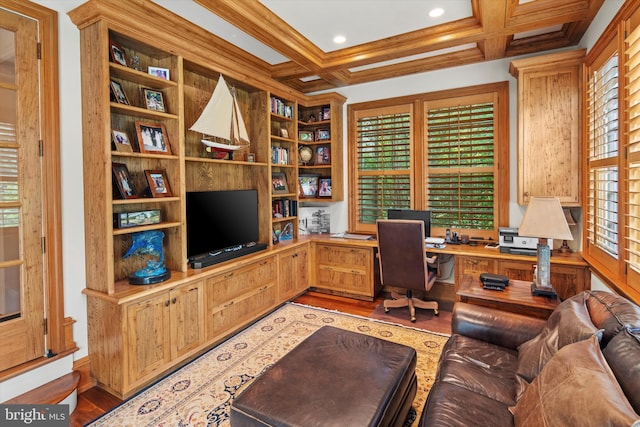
137,333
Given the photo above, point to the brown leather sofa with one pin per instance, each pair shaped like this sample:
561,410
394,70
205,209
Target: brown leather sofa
579,367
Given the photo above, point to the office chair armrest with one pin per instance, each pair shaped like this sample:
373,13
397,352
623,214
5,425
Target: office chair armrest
494,326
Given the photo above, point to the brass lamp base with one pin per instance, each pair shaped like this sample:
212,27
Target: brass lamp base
543,291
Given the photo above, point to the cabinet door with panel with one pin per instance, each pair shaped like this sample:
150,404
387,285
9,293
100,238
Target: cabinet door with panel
345,270
162,328
187,316
549,114
293,265
148,338
237,296
567,280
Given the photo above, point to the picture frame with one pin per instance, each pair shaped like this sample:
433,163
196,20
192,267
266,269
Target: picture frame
324,189
121,141
325,113
153,100
323,155
305,135
284,133
162,73
158,183
152,138
123,181
323,134
117,53
308,185
117,91
251,157
279,183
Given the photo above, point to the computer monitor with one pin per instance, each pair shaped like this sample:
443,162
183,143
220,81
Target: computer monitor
424,216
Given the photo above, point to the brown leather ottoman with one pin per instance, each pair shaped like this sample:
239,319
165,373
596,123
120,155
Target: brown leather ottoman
333,378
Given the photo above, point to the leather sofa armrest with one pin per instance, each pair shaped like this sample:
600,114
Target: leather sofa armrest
494,326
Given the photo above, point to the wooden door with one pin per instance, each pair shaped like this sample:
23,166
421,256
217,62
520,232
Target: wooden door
21,248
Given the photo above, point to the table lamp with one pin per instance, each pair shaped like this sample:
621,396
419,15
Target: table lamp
544,219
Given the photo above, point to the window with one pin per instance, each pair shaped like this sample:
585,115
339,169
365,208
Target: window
632,59
383,168
612,144
451,157
602,160
460,140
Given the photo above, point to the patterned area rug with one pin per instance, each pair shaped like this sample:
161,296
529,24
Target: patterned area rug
200,393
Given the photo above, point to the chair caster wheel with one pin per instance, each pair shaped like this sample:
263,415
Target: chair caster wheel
413,319
386,310
436,312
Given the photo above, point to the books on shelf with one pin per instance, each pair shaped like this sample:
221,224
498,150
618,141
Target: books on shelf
279,107
284,208
279,156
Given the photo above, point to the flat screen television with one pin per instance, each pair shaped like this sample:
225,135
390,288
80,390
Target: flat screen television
412,214
221,225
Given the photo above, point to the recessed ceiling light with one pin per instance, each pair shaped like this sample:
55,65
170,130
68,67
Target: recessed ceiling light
434,13
339,39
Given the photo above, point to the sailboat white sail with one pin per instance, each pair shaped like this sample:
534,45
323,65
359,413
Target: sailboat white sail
221,118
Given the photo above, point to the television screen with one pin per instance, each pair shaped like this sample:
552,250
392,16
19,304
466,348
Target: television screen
220,219
412,214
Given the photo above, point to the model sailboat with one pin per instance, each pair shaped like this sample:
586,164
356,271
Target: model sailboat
221,122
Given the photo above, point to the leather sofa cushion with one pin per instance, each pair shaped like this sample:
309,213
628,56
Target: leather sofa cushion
576,388
483,368
610,312
569,323
623,356
449,405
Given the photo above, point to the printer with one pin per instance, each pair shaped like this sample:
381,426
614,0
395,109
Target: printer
511,242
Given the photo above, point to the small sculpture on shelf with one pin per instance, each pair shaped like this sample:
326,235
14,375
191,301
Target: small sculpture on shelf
148,243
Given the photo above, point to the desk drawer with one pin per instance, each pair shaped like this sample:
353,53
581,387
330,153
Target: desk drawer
474,266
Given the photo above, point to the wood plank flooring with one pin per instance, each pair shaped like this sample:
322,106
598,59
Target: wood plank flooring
95,401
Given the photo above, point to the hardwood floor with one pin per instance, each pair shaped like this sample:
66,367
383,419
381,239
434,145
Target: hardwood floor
95,401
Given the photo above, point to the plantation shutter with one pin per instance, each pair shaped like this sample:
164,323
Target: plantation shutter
9,215
383,162
632,66
461,140
603,117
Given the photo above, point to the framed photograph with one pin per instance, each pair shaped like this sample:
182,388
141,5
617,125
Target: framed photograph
163,73
152,138
117,53
118,93
308,185
123,181
251,157
325,113
323,155
121,141
284,133
158,183
305,135
279,183
153,100
323,134
324,190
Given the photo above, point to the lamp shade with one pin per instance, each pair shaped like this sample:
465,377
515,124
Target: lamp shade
544,218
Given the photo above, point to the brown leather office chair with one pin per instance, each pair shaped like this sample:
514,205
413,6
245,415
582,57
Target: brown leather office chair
404,263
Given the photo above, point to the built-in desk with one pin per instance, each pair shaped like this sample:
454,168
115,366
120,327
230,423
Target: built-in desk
347,267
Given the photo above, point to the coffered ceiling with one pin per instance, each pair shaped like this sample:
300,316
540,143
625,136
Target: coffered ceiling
292,39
